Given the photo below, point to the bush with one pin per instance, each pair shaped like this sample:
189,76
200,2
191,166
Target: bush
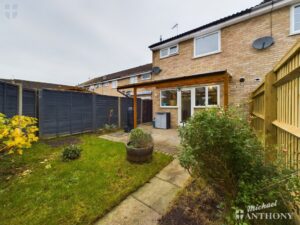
140,139
17,133
71,152
221,147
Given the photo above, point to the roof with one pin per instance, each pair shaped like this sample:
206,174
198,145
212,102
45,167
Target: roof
182,78
217,22
120,74
41,85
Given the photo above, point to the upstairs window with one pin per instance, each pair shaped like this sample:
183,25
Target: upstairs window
166,52
207,44
295,19
114,84
146,76
133,80
106,84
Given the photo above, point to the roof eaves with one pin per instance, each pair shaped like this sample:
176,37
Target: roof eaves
217,22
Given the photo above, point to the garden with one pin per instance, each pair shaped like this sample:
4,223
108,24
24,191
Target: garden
232,182
67,180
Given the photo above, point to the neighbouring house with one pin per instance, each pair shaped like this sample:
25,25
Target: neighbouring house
216,64
108,84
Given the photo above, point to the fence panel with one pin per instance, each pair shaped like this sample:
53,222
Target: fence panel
9,99
29,103
147,111
63,113
106,110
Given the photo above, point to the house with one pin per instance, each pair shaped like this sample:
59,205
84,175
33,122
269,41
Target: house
107,84
216,64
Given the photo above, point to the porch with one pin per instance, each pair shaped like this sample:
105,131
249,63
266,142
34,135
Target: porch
182,96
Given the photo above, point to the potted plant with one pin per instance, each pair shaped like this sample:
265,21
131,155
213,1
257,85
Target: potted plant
140,146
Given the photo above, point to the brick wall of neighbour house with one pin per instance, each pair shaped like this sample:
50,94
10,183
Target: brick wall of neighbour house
237,57
113,91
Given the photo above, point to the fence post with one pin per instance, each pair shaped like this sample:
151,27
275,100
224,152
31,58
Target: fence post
270,113
20,100
119,111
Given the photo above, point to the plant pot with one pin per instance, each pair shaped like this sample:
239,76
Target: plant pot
139,155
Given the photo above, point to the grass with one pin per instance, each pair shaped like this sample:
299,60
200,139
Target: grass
38,188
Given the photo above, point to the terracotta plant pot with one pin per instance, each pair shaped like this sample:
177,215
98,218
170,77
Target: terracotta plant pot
139,155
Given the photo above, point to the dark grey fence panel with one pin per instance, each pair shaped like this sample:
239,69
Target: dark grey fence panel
29,103
106,109
63,112
9,99
125,103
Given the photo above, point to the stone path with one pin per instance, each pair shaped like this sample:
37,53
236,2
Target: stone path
147,205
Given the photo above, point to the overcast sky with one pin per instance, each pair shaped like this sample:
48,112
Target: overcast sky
70,41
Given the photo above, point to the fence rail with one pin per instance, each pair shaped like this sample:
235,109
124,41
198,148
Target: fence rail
67,112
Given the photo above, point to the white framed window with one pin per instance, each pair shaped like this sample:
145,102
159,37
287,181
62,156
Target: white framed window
105,84
207,44
207,96
114,84
133,80
295,19
166,52
146,76
168,98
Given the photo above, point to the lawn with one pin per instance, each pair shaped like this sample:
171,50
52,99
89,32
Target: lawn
38,188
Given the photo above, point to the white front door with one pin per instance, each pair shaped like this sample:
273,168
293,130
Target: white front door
185,104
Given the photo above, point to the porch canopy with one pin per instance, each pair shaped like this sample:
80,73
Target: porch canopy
204,78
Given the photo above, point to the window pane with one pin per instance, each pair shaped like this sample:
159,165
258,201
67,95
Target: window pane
169,98
114,84
146,76
297,18
207,44
133,80
212,95
173,50
164,52
200,96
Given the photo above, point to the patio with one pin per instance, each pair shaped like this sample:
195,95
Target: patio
166,141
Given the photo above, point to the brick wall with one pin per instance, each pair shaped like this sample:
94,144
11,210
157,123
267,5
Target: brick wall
237,56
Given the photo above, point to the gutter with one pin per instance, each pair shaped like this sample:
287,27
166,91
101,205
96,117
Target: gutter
256,11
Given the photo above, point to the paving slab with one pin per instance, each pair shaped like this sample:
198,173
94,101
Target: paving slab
174,173
157,194
130,212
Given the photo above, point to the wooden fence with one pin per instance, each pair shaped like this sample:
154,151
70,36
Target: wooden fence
276,109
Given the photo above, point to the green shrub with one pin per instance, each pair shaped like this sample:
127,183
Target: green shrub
220,146
71,152
140,139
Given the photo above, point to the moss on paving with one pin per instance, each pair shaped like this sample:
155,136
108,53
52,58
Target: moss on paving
38,188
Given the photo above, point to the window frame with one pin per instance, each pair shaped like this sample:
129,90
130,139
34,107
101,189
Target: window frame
106,84
116,84
209,53
292,20
135,79
168,48
206,97
146,78
168,107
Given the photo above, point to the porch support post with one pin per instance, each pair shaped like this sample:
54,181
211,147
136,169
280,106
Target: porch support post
134,108
226,90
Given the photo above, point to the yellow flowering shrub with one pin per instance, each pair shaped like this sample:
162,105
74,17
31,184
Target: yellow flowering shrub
17,133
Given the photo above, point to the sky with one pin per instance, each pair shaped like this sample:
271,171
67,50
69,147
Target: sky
71,41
